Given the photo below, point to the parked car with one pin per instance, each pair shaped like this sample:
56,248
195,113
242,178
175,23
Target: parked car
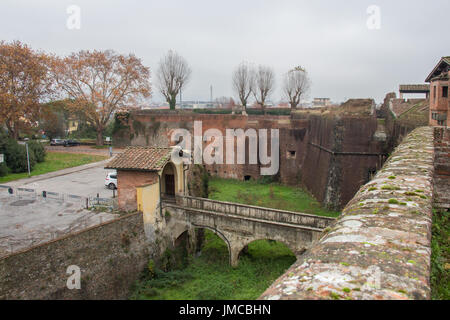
111,180
71,143
57,142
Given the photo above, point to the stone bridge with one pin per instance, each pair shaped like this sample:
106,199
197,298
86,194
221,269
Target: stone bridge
239,224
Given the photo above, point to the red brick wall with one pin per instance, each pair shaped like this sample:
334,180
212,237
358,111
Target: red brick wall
310,166
127,181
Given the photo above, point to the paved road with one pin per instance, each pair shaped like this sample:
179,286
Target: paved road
85,183
28,221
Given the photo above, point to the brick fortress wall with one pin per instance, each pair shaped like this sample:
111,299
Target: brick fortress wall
331,156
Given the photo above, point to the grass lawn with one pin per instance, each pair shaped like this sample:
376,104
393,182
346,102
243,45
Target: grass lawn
55,161
210,277
266,195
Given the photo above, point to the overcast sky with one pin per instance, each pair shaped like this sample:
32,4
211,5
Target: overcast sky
345,59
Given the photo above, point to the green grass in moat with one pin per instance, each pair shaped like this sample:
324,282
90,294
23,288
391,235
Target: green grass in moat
55,161
271,195
210,277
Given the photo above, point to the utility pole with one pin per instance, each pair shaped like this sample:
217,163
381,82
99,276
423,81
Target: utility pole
211,93
28,159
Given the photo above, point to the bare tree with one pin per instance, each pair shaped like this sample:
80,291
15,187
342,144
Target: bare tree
264,85
243,82
296,84
172,74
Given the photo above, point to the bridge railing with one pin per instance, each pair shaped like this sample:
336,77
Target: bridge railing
249,211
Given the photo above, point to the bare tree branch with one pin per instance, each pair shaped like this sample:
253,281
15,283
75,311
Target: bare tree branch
264,85
243,82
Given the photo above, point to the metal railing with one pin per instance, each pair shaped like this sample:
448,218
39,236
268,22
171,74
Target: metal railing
87,202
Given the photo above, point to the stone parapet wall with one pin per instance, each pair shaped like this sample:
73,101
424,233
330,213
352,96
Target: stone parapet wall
110,257
380,247
248,211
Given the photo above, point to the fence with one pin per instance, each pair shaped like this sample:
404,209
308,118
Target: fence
87,202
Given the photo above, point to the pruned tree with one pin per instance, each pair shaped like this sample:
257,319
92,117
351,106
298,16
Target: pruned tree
243,82
172,74
264,85
99,83
296,84
24,84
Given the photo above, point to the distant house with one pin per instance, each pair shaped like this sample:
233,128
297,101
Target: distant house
72,125
321,102
439,101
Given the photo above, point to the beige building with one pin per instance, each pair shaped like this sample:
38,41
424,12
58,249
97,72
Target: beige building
145,175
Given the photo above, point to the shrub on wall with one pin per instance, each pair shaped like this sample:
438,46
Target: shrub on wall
3,169
16,157
38,150
198,182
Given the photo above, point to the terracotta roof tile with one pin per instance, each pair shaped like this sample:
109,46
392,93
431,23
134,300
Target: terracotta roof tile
141,158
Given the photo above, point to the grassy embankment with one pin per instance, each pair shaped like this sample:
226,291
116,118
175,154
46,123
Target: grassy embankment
266,195
55,161
440,256
210,276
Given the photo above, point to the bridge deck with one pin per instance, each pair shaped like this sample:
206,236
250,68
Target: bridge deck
252,213
232,216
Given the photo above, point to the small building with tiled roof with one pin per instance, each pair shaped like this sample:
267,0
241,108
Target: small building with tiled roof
146,172
439,101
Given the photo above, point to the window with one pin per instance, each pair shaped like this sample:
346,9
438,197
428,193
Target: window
247,178
291,154
441,122
445,92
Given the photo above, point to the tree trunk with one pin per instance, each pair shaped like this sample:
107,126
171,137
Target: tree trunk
13,132
99,136
173,103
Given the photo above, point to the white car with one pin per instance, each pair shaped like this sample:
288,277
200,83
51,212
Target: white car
111,180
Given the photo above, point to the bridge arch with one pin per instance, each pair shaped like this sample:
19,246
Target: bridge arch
241,245
189,230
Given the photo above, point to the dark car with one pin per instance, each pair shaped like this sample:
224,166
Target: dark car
71,143
57,142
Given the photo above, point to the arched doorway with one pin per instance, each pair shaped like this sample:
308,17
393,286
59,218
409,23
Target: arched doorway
168,181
